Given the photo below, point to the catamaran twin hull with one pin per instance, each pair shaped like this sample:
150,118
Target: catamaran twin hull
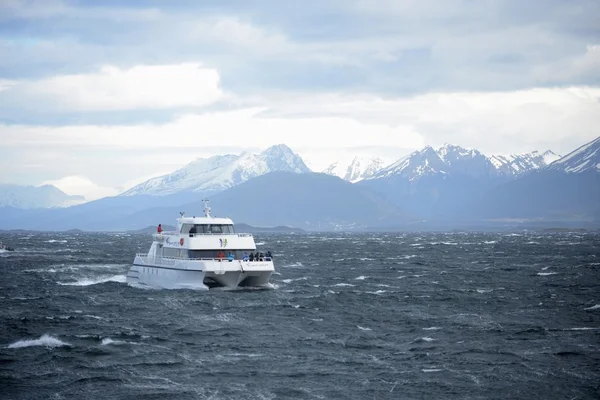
169,273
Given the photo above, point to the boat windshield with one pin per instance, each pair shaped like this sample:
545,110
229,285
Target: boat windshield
207,229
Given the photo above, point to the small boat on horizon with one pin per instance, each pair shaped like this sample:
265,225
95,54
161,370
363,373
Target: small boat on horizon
202,252
4,248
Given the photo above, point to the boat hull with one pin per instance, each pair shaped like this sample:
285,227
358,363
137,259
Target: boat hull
199,274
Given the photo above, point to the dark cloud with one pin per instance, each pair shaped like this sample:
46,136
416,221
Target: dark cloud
393,48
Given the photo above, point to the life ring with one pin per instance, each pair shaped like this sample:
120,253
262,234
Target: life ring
181,242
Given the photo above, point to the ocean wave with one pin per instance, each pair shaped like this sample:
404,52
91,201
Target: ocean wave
95,281
363,328
290,280
377,292
44,340
423,339
361,278
293,265
596,307
546,273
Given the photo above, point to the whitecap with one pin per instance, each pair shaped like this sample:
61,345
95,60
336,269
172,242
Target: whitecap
289,280
484,290
361,278
424,339
585,328
294,265
107,341
95,317
597,306
377,292
344,284
490,242
432,370
363,328
44,340
260,243
546,273
88,281
432,328
55,241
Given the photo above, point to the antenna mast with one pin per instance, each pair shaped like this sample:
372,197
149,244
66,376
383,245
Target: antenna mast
206,208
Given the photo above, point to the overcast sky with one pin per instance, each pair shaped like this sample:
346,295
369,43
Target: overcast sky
97,95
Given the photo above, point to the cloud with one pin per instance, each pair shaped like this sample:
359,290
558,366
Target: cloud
320,128
113,88
113,93
387,47
80,185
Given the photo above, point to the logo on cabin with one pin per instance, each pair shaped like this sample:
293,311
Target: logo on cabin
223,242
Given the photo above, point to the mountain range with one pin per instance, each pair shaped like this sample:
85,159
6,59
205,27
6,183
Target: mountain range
215,174
355,170
445,187
44,196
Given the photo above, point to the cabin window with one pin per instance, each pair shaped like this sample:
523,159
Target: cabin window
238,254
217,229
175,253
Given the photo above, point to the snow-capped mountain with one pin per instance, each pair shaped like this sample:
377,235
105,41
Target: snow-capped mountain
515,165
357,169
45,196
585,158
452,159
415,165
469,162
218,173
448,159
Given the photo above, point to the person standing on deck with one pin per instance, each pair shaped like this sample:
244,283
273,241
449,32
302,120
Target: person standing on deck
159,229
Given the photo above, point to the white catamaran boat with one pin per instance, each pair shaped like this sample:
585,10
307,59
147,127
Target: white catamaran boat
203,252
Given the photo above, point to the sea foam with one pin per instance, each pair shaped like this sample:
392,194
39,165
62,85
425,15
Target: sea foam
44,340
88,281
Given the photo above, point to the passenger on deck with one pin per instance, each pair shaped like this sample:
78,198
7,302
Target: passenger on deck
269,256
221,255
159,229
245,256
230,256
251,256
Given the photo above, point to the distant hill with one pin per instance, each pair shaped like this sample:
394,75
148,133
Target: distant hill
152,229
309,201
444,189
258,229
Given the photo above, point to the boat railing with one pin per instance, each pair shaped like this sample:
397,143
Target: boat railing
173,233
174,260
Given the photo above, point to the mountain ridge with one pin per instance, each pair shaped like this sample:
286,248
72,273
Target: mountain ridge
32,197
217,173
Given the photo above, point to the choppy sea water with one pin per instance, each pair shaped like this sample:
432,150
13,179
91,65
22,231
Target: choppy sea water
353,316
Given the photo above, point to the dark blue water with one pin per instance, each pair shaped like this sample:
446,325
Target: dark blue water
354,316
